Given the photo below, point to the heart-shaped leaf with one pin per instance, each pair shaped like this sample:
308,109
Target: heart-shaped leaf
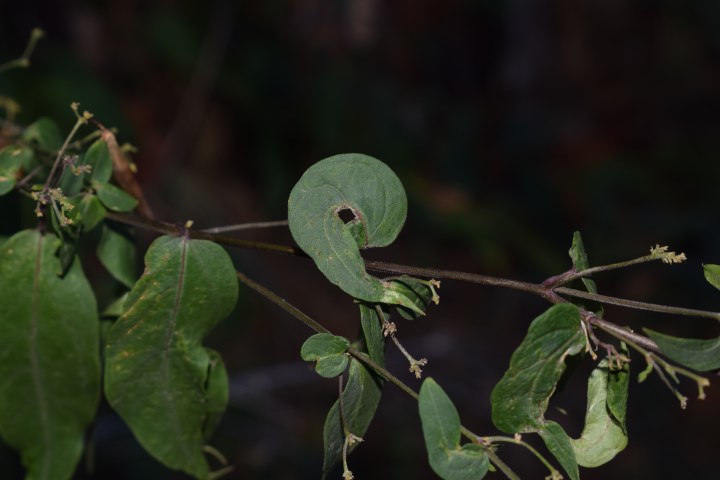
158,376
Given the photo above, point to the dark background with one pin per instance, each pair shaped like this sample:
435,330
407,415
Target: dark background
512,124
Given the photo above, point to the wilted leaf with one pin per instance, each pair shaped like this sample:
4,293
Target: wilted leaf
604,434
49,356
157,372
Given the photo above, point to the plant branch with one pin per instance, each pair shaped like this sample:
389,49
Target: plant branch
652,307
518,441
247,226
543,290
362,357
172,229
282,303
81,120
24,60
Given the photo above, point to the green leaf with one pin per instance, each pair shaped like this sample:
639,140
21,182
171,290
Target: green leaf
45,133
329,352
12,158
372,331
712,274
157,372
700,355
98,157
604,434
116,251
218,392
441,430
580,260
558,442
361,397
49,356
373,193
114,198
418,291
617,392
115,308
91,212
521,397
70,182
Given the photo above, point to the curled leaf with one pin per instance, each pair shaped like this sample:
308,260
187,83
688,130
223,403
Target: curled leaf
373,195
604,434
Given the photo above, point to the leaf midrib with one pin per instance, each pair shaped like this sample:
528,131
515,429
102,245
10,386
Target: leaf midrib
169,331
34,360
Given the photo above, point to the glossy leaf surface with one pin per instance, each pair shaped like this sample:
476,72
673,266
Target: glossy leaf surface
700,355
604,434
49,356
361,397
157,372
441,431
328,351
375,196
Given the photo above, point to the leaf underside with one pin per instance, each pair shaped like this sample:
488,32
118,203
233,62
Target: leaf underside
604,434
